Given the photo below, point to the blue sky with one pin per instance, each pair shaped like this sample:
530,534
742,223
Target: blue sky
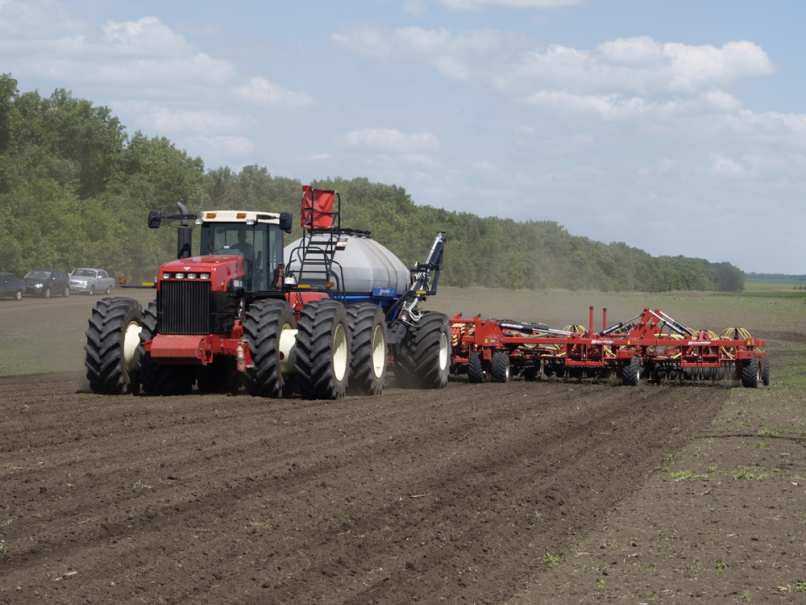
678,127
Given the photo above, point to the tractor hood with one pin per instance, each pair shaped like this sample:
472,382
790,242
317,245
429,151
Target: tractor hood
218,270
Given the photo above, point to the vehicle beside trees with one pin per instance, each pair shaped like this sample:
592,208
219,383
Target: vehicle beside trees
11,286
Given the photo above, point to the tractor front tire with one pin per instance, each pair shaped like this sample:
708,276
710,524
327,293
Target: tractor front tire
631,372
425,354
157,378
265,322
751,374
368,360
499,367
111,350
475,370
323,350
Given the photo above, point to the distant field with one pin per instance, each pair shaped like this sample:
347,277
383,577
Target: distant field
39,336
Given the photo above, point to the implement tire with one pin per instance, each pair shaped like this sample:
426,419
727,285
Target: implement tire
323,350
264,324
499,367
111,350
751,374
475,371
368,359
424,356
157,378
765,371
631,372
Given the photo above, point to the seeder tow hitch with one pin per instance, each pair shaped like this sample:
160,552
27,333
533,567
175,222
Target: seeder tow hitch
652,344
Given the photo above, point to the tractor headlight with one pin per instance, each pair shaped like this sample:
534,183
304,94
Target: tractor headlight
191,276
205,276
166,276
180,276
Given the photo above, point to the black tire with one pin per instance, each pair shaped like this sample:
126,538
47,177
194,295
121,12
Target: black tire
631,372
156,378
18,295
499,367
531,373
108,291
751,374
424,356
475,371
367,369
92,291
107,369
323,350
765,371
263,326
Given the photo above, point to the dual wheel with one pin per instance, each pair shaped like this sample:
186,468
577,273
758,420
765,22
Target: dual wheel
499,368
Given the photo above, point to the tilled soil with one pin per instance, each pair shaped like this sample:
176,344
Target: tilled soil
451,495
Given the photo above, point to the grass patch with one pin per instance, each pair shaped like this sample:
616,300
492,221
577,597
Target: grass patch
750,474
799,586
551,560
687,476
720,566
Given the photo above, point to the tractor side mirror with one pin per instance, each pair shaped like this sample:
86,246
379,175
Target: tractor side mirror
286,221
154,219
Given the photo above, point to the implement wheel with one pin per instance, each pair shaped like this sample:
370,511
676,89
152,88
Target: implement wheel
475,371
765,371
268,326
424,356
323,350
111,349
156,378
631,372
751,374
368,362
499,367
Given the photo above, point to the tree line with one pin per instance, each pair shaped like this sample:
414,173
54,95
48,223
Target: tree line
75,189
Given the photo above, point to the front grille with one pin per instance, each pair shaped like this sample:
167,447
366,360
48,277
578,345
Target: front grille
184,307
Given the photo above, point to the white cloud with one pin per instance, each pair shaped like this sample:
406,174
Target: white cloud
393,140
263,91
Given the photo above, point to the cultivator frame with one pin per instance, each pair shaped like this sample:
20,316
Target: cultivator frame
651,344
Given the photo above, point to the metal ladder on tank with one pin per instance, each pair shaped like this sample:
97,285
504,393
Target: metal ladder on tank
316,253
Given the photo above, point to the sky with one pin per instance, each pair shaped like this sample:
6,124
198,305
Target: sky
677,127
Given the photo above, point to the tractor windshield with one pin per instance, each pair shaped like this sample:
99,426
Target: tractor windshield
261,246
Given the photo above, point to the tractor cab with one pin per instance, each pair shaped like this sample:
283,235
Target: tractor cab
257,237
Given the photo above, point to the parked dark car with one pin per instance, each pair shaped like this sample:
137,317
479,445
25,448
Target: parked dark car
47,283
11,286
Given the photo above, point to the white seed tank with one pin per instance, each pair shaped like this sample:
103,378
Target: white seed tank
365,265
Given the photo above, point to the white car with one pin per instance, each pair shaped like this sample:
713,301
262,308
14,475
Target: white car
91,281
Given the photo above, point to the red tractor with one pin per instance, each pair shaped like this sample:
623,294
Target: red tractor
331,311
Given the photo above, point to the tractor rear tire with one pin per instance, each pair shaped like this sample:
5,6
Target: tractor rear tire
631,372
475,371
765,371
323,350
111,350
157,378
265,322
368,359
499,367
751,374
424,359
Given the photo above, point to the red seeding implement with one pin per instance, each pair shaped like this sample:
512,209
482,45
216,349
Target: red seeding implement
652,344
